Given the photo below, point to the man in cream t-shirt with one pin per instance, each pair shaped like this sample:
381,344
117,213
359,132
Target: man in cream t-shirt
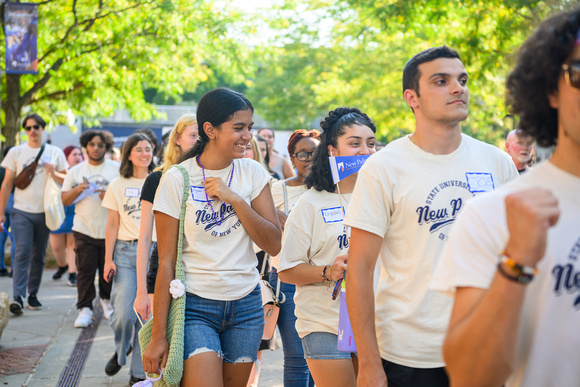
405,200
513,259
85,185
28,221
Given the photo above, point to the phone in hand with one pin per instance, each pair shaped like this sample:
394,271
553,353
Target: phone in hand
110,275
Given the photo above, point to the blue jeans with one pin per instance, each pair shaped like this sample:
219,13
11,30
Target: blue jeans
323,346
31,239
124,320
4,235
296,373
232,329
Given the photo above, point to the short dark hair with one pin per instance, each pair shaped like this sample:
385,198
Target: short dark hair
333,126
536,75
126,168
411,73
216,107
34,117
105,135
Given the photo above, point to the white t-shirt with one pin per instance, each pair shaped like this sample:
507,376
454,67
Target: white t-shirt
547,352
410,198
123,197
293,193
90,217
315,235
218,260
30,199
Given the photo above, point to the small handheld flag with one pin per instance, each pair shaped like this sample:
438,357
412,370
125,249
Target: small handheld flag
345,166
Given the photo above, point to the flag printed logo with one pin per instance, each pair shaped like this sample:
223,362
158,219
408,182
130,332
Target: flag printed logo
342,167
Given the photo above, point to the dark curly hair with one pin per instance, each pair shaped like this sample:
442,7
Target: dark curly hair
537,72
333,126
105,135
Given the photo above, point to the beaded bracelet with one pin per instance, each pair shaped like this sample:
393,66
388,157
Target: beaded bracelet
523,274
521,278
327,281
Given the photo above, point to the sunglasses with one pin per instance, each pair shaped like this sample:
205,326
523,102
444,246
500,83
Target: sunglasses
35,127
572,74
303,156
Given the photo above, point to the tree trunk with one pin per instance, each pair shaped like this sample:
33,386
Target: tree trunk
12,109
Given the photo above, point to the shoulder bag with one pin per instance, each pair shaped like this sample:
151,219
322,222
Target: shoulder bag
173,371
25,176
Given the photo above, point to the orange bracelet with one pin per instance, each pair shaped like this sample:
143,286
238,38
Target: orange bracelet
518,268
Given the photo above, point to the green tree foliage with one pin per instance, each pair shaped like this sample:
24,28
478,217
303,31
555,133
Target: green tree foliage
98,56
360,63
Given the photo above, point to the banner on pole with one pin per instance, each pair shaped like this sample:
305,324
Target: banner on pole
345,166
21,32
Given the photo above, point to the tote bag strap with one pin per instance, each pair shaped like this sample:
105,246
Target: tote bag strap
179,273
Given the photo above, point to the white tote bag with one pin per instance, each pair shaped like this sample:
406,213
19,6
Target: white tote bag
53,207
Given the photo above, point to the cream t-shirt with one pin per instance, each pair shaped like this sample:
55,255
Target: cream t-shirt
293,193
218,260
31,199
549,338
90,217
123,196
315,235
410,198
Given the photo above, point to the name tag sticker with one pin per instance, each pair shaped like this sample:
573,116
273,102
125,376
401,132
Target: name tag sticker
198,193
131,192
332,215
480,182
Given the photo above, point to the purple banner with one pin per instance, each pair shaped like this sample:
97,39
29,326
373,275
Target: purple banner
21,31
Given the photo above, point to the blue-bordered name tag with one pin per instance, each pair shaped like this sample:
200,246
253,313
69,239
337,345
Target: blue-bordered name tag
131,192
332,215
480,182
198,193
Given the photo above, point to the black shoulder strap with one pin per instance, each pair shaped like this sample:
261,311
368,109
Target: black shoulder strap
39,154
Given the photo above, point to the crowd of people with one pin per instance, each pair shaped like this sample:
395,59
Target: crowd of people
460,260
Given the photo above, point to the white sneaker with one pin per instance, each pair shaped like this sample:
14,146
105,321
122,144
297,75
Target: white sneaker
84,319
107,308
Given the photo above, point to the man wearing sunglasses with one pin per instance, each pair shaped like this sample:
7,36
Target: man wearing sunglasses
28,222
513,260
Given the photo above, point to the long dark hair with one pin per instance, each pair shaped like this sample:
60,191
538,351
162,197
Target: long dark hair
333,126
216,107
126,169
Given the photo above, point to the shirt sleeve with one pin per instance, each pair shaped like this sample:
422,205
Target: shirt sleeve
370,208
297,239
61,163
9,161
278,195
476,241
150,186
169,194
110,200
260,178
67,184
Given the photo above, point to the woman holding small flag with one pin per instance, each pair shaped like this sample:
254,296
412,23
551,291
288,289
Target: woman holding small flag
315,246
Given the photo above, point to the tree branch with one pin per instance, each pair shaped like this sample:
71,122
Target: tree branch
27,97
58,94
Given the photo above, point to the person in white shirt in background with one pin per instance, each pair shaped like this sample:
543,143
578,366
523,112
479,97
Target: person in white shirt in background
519,145
121,236
28,221
276,161
90,220
405,200
315,246
513,259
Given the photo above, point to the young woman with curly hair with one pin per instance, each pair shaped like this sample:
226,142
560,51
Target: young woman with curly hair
315,246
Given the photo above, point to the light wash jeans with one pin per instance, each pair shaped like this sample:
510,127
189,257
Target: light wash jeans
124,321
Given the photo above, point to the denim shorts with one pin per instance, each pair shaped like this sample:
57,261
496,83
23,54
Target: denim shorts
232,329
322,346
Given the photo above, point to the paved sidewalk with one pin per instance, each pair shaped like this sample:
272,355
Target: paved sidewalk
35,347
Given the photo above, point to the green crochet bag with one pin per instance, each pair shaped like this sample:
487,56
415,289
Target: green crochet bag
175,320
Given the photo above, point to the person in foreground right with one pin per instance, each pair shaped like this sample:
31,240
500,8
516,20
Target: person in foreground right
513,258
